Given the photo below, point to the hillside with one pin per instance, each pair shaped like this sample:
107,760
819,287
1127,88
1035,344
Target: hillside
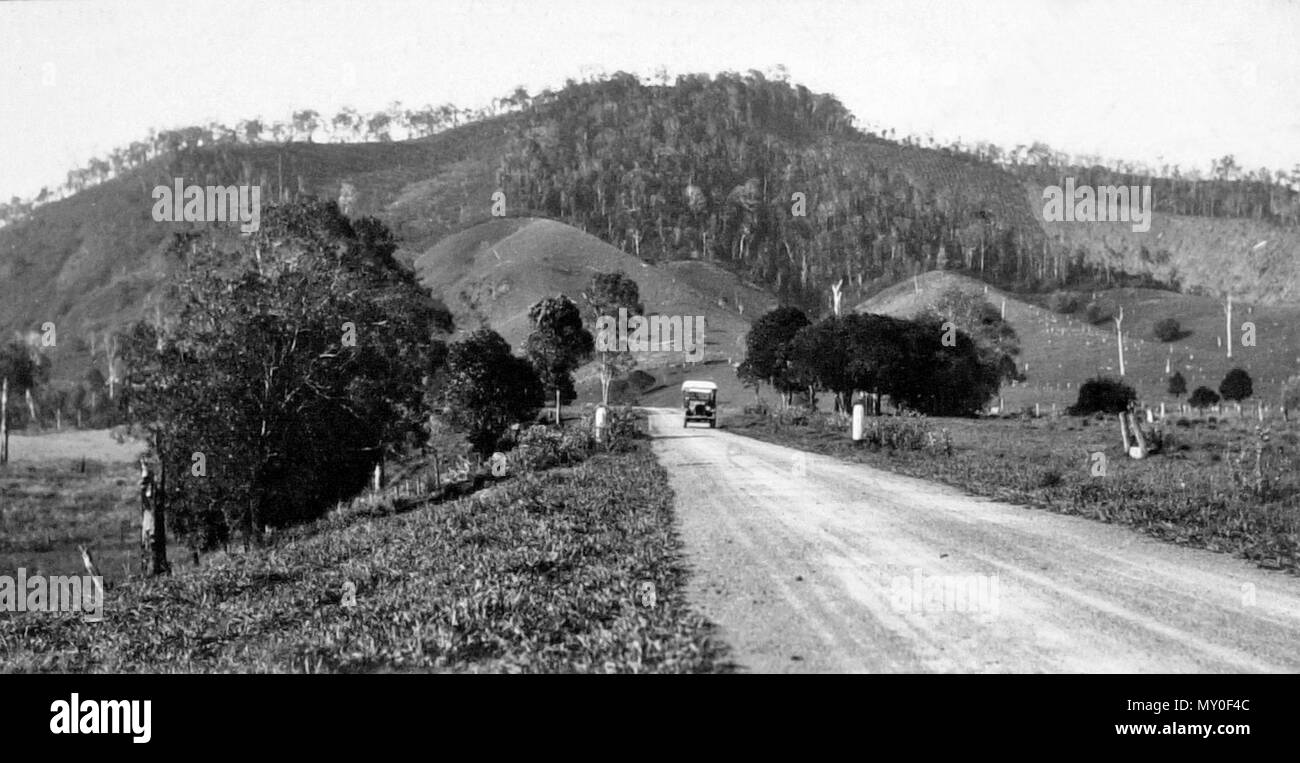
698,177
1063,350
492,273
93,262
1256,260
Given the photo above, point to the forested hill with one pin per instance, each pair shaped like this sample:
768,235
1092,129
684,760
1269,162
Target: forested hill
769,179
710,168
758,176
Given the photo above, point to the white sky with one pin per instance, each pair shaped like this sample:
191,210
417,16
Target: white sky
1152,80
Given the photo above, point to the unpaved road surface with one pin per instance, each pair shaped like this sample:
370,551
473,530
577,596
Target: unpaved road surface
811,564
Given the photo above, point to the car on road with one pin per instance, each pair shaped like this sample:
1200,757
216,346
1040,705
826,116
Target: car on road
700,399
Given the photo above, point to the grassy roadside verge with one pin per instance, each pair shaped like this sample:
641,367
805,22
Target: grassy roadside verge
1196,494
545,572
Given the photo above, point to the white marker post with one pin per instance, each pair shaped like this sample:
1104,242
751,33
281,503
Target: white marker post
859,420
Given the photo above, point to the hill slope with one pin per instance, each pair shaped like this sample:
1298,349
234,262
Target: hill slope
705,170
492,273
1062,350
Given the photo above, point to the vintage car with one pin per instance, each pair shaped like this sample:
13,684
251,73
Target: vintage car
700,399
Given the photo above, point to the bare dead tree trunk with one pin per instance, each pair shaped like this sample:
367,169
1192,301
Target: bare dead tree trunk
1119,339
31,407
4,422
153,531
1227,311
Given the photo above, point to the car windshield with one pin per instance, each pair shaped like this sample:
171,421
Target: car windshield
699,395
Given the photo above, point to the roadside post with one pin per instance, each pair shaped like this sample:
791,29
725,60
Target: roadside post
599,422
859,419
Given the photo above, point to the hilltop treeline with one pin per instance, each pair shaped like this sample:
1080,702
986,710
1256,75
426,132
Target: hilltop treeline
766,178
347,125
776,182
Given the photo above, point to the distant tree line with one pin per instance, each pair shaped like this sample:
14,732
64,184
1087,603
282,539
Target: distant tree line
348,125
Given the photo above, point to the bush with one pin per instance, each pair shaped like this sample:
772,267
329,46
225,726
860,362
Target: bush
907,432
1050,478
1102,395
1095,312
622,427
1237,385
542,447
1169,330
1063,302
1177,384
1203,397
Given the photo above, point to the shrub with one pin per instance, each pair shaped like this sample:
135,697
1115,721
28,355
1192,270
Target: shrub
1063,302
1177,384
1169,330
1237,385
542,447
1102,395
907,432
1095,312
622,427
1203,397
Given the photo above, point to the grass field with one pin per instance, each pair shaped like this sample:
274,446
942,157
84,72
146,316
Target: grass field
1188,494
49,505
567,570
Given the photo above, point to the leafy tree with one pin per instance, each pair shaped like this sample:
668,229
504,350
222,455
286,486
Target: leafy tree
1203,397
293,364
1237,385
488,388
768,349
1169,330
606,294
976,316
22,370
558,345
1102,395
905,359
942,380
1177,384
23,367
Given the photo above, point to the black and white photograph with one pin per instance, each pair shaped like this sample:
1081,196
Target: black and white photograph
955,344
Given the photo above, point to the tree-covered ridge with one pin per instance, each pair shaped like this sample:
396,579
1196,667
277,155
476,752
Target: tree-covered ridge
775,182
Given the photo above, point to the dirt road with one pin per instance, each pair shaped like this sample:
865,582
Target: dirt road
808,563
